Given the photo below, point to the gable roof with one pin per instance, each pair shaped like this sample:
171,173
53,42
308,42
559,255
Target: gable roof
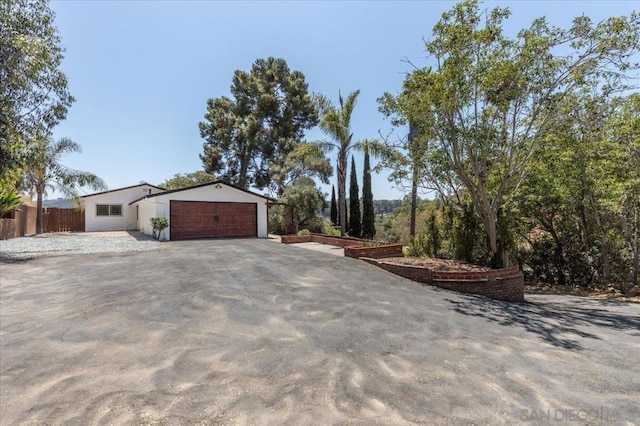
218,182
121,189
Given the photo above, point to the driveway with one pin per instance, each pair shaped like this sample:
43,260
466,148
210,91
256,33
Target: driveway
252,332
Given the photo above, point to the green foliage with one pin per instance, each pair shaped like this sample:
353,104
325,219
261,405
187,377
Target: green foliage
264,121
33,89
579,206
435,240
187,179
419,246
304,232
368,214
9,199
468,241
305,199
335,122
355,227
489,101
306,160
43,170
334,207
158,224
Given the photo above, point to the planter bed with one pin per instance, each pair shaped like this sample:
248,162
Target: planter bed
501,284
322,239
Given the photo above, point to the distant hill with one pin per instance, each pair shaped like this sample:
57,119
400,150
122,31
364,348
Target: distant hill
60,203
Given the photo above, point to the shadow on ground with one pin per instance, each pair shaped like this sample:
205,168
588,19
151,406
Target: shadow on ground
557,323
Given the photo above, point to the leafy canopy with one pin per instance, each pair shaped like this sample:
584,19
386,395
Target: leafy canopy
263,121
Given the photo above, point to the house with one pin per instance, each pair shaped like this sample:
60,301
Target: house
110,211
210,210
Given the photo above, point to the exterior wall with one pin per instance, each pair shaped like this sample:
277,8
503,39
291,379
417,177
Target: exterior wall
217,192
126,222
18,223
146,210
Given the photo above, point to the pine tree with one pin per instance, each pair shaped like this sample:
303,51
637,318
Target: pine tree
334,207
354,203
368,213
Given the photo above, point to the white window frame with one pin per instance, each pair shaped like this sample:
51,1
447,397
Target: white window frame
110,206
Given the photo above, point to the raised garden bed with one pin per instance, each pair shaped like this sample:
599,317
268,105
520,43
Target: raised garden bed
501,284
353,247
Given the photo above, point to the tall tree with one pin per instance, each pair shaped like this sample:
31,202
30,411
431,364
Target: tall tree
182,180
355,224
334,207
408,157
44,171
492,98
368,213
264,121
335,122
33,89
304,201
305,160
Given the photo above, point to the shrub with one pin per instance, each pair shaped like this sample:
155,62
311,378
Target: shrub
158,224
304,232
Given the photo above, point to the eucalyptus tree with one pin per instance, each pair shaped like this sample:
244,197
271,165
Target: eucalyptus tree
45,171
33,90
492,98
259,125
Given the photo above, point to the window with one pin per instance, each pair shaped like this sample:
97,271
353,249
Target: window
108,209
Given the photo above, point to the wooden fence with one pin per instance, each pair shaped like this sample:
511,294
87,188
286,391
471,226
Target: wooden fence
62,220
18,223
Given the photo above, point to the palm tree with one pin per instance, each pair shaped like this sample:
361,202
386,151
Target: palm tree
44,171
335,122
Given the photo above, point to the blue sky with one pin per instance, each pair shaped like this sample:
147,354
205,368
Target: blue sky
141,72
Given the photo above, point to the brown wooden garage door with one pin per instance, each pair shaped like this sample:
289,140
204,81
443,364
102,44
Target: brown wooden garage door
200,219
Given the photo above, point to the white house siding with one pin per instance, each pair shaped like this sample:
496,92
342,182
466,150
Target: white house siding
148,209
217,192
126,222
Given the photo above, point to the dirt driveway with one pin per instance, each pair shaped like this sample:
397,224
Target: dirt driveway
252,332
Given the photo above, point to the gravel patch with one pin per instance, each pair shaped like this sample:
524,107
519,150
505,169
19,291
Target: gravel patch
63,244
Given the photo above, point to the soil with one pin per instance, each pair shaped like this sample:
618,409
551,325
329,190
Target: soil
534,288
437,264
610,294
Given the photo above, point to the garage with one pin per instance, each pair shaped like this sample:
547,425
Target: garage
210,210
202,219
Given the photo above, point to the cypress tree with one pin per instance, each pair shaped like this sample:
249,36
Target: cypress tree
334,207
368,213
354,203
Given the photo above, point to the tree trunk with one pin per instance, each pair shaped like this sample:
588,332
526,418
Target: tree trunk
242,177
342,199
414,202
40,192
635,251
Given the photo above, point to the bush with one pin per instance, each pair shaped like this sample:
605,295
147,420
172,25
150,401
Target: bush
419,246
158,224
304,232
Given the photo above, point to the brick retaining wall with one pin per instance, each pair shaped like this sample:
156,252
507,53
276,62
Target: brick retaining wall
374,251
500,284
323,239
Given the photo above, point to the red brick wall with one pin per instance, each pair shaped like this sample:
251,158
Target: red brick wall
374,251
324,239
500,284
294,239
